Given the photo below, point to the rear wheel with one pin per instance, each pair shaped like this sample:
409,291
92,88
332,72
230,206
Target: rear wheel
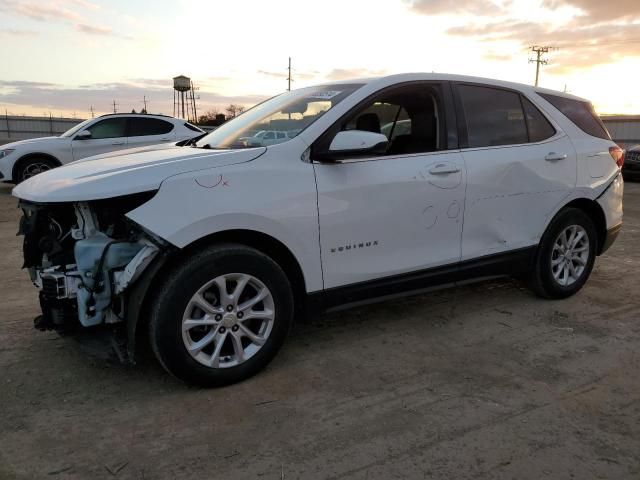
221,316
565,256
31,167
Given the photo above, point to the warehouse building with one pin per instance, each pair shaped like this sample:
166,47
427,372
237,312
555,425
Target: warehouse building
624,129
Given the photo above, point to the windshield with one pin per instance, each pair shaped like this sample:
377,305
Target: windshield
278,119
77,128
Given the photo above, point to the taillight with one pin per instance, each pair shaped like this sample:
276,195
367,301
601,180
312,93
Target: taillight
617,154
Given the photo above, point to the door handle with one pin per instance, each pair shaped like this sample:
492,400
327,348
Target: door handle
117,143
443,169
554,157
164,138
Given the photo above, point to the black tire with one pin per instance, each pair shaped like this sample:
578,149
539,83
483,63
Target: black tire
32,166
172,298
542,280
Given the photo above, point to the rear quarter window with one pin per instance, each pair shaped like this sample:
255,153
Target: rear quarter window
580,113
193,127
538,126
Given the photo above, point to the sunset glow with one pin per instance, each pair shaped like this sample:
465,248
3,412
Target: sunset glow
65,56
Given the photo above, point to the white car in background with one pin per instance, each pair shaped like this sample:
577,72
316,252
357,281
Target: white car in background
107,133
264,138
210,252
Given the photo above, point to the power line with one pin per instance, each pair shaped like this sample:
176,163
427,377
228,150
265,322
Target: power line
539,51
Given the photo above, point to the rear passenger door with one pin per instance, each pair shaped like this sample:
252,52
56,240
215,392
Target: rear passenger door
149,131
520,167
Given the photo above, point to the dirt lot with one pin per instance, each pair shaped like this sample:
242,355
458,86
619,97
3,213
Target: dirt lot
485,381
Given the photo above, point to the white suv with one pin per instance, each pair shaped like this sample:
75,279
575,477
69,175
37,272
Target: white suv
108,133
211,251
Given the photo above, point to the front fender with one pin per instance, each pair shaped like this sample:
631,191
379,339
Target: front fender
274,198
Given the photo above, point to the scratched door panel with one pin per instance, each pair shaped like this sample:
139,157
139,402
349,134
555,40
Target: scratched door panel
382,217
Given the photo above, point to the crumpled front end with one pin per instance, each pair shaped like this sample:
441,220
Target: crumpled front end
84,258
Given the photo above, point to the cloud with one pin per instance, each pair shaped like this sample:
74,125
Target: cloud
14,32
452,7
599,10
17,95
93,29
38,11
273,74
351,73
497,57
577,45
58,11
294,75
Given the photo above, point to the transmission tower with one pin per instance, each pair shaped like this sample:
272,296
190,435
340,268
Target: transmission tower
538,60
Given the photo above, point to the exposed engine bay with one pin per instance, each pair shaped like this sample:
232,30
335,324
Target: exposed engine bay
83,257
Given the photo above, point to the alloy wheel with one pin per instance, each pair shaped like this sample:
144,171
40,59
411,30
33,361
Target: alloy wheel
228,320
570,255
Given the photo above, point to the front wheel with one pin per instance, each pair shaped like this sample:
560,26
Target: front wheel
32,167
221,316
565,256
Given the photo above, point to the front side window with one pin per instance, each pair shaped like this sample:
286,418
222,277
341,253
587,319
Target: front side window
580,113
289,113
78,128
494,117
108,128
141,127
409,116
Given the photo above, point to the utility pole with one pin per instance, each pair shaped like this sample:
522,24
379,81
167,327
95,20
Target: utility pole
114,107
289,77
539,51
92,112
144,100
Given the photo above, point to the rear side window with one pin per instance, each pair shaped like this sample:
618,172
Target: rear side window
539,127
140,127
494,116
580,113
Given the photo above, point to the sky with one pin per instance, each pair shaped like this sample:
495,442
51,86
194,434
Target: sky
65,57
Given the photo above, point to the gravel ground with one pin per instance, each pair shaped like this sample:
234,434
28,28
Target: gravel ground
485,381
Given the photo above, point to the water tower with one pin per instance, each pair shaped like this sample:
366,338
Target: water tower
183,99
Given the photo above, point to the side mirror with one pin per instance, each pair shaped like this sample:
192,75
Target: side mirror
355,143
83,135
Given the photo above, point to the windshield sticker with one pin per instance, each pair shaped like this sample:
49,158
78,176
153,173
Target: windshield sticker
325,95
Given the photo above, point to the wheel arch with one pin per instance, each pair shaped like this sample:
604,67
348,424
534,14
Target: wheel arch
142,291
264,243
28,156
593,209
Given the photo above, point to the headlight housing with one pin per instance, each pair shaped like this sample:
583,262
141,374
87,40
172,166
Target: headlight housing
4,153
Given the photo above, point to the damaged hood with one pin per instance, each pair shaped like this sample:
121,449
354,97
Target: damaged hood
124,173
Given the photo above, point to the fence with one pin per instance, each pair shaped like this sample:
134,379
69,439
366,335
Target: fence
13,127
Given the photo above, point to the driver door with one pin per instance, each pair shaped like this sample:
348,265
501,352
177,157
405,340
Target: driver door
401,211
106,136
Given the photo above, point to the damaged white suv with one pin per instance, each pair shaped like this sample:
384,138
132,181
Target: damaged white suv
211,250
